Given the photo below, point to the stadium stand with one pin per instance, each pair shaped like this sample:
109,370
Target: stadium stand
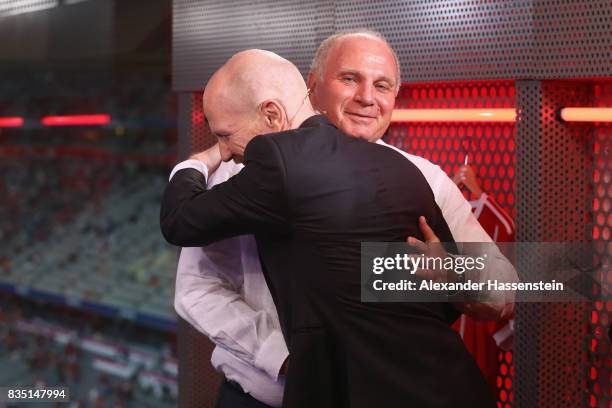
83,267
90,233
102,365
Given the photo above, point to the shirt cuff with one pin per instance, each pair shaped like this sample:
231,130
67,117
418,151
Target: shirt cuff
272,354
191,164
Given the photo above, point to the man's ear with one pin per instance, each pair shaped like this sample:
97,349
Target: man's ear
312,85
273,114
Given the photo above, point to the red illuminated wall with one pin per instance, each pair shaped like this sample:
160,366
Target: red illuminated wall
201,138
553,177
492,151
600,349
489,146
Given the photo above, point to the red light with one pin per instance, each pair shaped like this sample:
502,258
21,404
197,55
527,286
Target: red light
76,120
503,395
11,121
454,115
586,114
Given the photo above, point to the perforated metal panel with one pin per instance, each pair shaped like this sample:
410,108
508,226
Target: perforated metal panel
598,372
200,136
475,39
555,169
489,146
198,381
505,379
206,33
435,40
529,129
194,134
572,39
444,40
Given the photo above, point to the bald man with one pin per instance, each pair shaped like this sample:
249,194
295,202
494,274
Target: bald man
221,289
311,195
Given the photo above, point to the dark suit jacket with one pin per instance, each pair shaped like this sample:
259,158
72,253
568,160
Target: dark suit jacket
311,196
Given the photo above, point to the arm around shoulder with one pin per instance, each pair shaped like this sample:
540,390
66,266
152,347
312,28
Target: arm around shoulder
252,200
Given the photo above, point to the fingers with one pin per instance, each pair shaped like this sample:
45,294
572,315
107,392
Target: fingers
461,175
416,244
428,233
457,180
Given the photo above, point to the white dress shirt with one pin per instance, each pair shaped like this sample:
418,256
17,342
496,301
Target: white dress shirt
221,291
464,226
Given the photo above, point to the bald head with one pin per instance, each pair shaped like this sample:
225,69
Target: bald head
253,76
254,92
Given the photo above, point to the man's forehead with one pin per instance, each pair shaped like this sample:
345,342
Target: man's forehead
214,113
217,101
214,94
362,53
363,43
375,67
222,115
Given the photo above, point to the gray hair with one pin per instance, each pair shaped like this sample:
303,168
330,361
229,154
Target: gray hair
320,58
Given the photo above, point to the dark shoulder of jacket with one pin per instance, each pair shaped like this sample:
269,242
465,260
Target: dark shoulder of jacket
264,151
260,147
301,137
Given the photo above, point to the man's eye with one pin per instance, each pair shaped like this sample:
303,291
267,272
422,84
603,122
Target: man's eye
348,79
383,87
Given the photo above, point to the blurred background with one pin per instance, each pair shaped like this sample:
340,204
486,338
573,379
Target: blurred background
86,280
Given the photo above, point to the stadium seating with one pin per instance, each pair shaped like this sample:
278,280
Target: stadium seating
72,235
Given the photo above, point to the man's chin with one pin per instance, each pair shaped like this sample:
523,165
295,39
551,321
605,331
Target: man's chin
362,133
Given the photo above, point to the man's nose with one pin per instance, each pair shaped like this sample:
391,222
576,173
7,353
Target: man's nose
226,154
365,94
